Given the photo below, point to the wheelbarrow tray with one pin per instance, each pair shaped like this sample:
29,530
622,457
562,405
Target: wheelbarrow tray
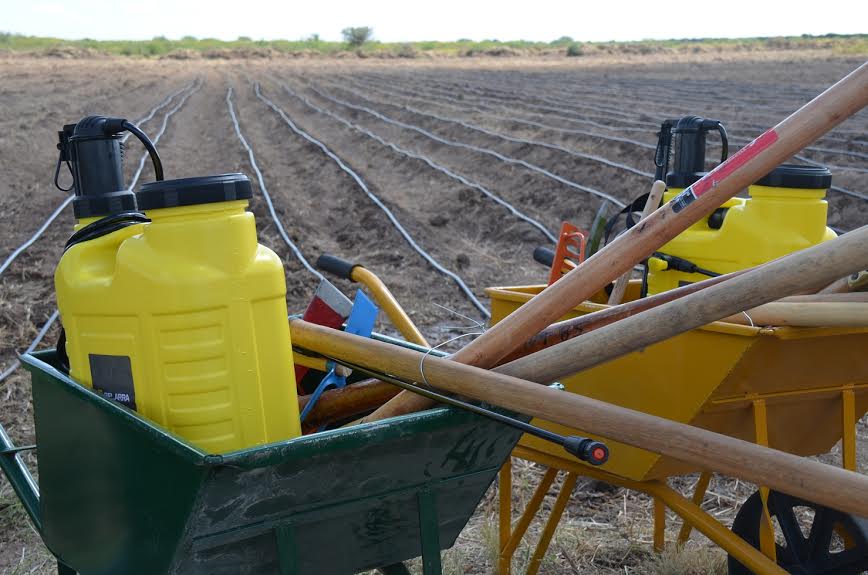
709,377
121,495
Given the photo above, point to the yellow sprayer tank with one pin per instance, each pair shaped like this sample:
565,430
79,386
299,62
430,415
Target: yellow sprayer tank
786,212
184,319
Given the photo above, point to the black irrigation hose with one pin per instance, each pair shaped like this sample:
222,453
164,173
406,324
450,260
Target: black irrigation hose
835,151
583,92
162,130
435,166
494,108
557,106
16,363
36,235
361,183
804,159
466,109
486,151
280,229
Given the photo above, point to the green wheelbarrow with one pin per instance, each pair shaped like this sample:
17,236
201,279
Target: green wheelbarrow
117,494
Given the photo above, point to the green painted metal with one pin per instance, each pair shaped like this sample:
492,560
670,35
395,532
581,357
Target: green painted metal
20,478
120,495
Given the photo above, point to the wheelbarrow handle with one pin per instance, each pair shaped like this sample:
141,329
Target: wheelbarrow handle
544,255
20,478
336,266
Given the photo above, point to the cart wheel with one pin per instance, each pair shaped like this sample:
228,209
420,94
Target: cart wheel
818,552
394,569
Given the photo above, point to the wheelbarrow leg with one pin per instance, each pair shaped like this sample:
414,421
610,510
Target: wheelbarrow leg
430,533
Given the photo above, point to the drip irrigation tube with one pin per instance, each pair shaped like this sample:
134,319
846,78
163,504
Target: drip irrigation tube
280,229
442,169
162,131
489,108
36,235
499,156
802,158
464,107
512,95
361,183
486,131
16,363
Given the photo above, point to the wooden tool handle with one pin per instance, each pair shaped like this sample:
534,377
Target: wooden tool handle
340,404
807,270
807,314
654,197
755,160
801,477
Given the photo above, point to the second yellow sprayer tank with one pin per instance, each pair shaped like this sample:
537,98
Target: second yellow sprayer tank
786,212
184,319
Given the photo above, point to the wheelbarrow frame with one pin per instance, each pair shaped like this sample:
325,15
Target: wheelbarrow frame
646,472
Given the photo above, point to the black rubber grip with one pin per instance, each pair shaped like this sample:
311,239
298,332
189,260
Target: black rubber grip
544,255
594,452
336,266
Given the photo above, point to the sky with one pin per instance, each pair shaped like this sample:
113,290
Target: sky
396,21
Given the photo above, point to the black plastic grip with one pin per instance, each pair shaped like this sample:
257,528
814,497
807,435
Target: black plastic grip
544,255
594,452
336,266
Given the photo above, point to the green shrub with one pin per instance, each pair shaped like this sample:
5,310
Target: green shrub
356,36
575,49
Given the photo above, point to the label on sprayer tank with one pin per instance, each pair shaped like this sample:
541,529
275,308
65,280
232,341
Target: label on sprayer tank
112,377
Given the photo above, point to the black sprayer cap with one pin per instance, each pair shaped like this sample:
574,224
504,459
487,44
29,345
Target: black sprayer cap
194,191
799,177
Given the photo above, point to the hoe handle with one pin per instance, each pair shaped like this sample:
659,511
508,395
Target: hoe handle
839,102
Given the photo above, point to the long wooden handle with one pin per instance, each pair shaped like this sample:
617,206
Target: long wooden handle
803,271
797,476
654,197
842,100
808,314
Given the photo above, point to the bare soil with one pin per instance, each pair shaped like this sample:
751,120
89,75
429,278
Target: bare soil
325,211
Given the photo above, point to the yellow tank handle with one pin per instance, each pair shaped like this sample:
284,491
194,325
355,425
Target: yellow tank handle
389,304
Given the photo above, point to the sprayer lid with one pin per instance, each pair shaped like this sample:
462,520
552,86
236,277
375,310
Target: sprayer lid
799,177
193,191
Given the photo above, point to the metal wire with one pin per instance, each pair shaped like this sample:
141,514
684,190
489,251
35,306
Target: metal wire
361,183
280,229
442,169
486,151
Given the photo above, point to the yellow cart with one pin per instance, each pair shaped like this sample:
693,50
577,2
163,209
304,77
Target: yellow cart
799,390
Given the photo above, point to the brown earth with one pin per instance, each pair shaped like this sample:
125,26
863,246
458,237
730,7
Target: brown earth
324,210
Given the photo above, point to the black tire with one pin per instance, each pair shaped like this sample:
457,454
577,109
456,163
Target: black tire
802,555
394,569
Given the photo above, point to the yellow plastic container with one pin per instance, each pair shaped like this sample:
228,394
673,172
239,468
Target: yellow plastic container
786,212
709,377
184,319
